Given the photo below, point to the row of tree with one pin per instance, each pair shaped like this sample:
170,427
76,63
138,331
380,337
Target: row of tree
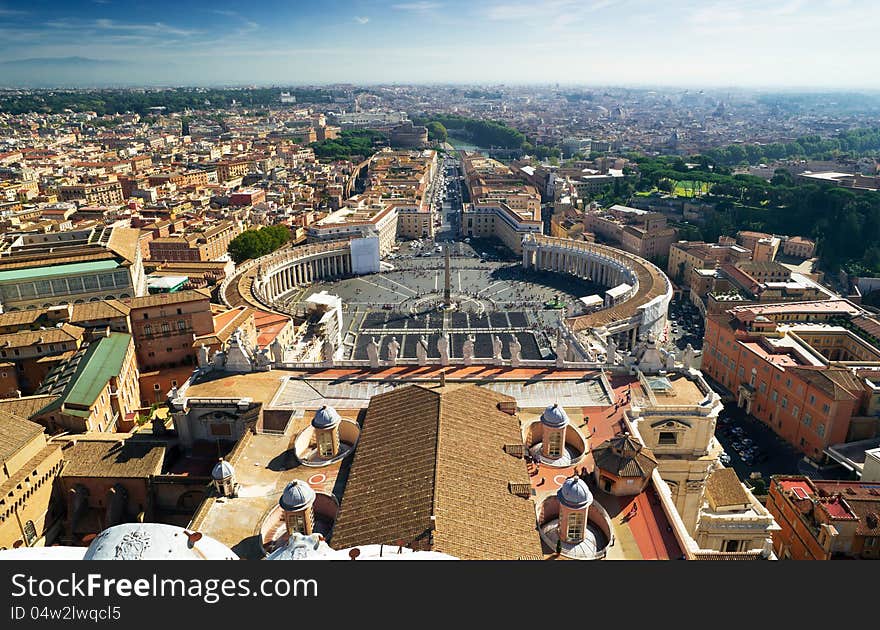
139,101
853,142
484,133
255,243
350,143
845,223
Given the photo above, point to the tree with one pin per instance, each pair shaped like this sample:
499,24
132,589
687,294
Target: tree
437,132
256,243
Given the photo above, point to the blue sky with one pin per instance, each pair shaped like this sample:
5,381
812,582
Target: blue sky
766,43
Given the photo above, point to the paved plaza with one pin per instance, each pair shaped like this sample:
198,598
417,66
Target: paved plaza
491,297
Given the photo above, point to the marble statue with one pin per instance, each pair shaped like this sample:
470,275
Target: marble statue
373,352
611,351
689,356
468,350
393,351
561,349
670,361
515,351
443,348
422,350
277,351
496,349
203,360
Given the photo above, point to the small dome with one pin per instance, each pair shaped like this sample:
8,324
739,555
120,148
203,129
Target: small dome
554,416
222,470
326,418
574,494
296,496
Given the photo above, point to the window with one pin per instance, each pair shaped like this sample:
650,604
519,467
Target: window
788,382
820,429
808,419
180,311
297,522
325,444
148,330
574,531
773,396
181,325
667,438
795,411
763,387
146,316
826,408
554,444
784,402
732,546
812,399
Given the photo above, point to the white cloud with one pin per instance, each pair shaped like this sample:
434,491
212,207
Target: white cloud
103,24
416,6
546,10
361,20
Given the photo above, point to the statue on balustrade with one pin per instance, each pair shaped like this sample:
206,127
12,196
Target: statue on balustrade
373,352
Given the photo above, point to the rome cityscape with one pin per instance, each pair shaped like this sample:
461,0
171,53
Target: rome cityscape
439,280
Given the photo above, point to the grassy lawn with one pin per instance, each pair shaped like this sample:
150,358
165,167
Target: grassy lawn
686,188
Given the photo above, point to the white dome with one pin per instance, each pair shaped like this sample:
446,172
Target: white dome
222,470
155,541
554,416
574,493
296,496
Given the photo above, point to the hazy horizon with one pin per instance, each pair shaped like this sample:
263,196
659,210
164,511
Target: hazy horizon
725,44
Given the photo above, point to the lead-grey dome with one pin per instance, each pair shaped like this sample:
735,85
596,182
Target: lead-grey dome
574,494
222,470
296,496
326,418
554,416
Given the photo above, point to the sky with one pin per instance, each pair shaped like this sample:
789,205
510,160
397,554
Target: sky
746,43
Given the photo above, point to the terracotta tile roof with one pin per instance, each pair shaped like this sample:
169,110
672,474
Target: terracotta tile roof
21,318
723,489
439,452
121,459
15,433
124,242
26,406
104,309
160,299
835,382
624,456
25,338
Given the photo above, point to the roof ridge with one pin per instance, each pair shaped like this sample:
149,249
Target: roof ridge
433,516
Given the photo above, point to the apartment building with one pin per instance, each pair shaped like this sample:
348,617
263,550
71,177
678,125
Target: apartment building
97,263
28,468
96,390
98,193
204,245
794,367
825,520
639,232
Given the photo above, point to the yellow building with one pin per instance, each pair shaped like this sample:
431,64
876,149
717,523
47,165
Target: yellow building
28,467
